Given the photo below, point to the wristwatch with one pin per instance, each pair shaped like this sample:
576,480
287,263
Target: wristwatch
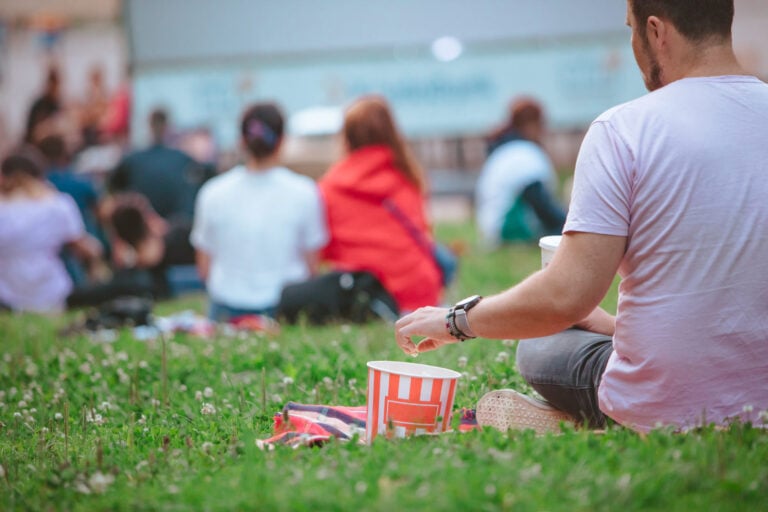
456,320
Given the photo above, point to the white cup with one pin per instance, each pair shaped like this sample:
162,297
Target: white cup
548,246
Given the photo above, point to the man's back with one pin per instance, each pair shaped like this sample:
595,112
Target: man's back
683,173
169,178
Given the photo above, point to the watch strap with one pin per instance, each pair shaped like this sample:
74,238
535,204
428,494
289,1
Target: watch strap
462,324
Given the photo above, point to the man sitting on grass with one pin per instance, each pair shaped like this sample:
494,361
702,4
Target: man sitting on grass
670,191
144,245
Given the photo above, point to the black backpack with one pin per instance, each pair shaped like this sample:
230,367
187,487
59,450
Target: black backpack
337,296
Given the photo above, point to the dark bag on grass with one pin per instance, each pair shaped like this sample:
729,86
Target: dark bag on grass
337,296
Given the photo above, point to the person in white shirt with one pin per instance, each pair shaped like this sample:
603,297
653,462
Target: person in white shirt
516,192
257,227
670,192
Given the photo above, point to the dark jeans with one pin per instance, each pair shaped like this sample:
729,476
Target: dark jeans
566,369
127,282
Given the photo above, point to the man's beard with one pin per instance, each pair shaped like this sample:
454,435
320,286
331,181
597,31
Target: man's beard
653,81
653,78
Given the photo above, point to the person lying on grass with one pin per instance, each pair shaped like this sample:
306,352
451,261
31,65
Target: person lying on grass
670,192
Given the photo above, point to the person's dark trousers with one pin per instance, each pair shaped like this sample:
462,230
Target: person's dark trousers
547,209
566,369
129,282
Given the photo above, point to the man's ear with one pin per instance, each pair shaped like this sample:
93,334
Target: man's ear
656,32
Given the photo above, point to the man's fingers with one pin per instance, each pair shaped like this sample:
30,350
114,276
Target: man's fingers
428,344
405,343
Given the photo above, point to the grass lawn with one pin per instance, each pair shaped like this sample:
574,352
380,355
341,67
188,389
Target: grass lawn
88,425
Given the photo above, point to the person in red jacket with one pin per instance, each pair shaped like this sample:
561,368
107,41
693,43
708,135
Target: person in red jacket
375,207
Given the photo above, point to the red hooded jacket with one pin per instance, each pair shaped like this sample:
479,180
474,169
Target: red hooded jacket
365,235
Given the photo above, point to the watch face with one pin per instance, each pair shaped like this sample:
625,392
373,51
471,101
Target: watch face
468,302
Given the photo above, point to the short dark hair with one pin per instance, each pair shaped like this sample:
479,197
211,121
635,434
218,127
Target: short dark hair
697,20
24,161
54,148
158,122
129,219
262,129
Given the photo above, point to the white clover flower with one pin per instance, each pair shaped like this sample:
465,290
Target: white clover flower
462,362
17,414
273,346
2,471
123,377
22,403
208,409
85,368
207,447
91,416
31,369
121,356
182,387
143,364
2,405
624,481
763,416
352,383
173,489
747,409
142,420
502,357
198,395
155,402
287,381
105,406
208,392
58,416
99,482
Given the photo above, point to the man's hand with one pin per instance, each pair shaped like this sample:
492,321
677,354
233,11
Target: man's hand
429,322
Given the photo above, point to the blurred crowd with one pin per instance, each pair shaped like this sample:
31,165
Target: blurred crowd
85,218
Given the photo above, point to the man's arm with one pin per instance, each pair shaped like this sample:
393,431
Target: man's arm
551,300
203,262
313,261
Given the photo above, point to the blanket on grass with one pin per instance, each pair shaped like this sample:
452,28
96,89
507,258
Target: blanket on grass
314,425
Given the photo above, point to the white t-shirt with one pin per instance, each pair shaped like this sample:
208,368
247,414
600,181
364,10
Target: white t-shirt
683,173
257,227
506,173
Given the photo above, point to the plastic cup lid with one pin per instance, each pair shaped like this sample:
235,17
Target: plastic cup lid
550,242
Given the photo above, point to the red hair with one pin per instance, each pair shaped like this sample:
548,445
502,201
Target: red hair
369,122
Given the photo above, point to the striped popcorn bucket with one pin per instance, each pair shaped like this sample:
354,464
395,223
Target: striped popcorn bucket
408,399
